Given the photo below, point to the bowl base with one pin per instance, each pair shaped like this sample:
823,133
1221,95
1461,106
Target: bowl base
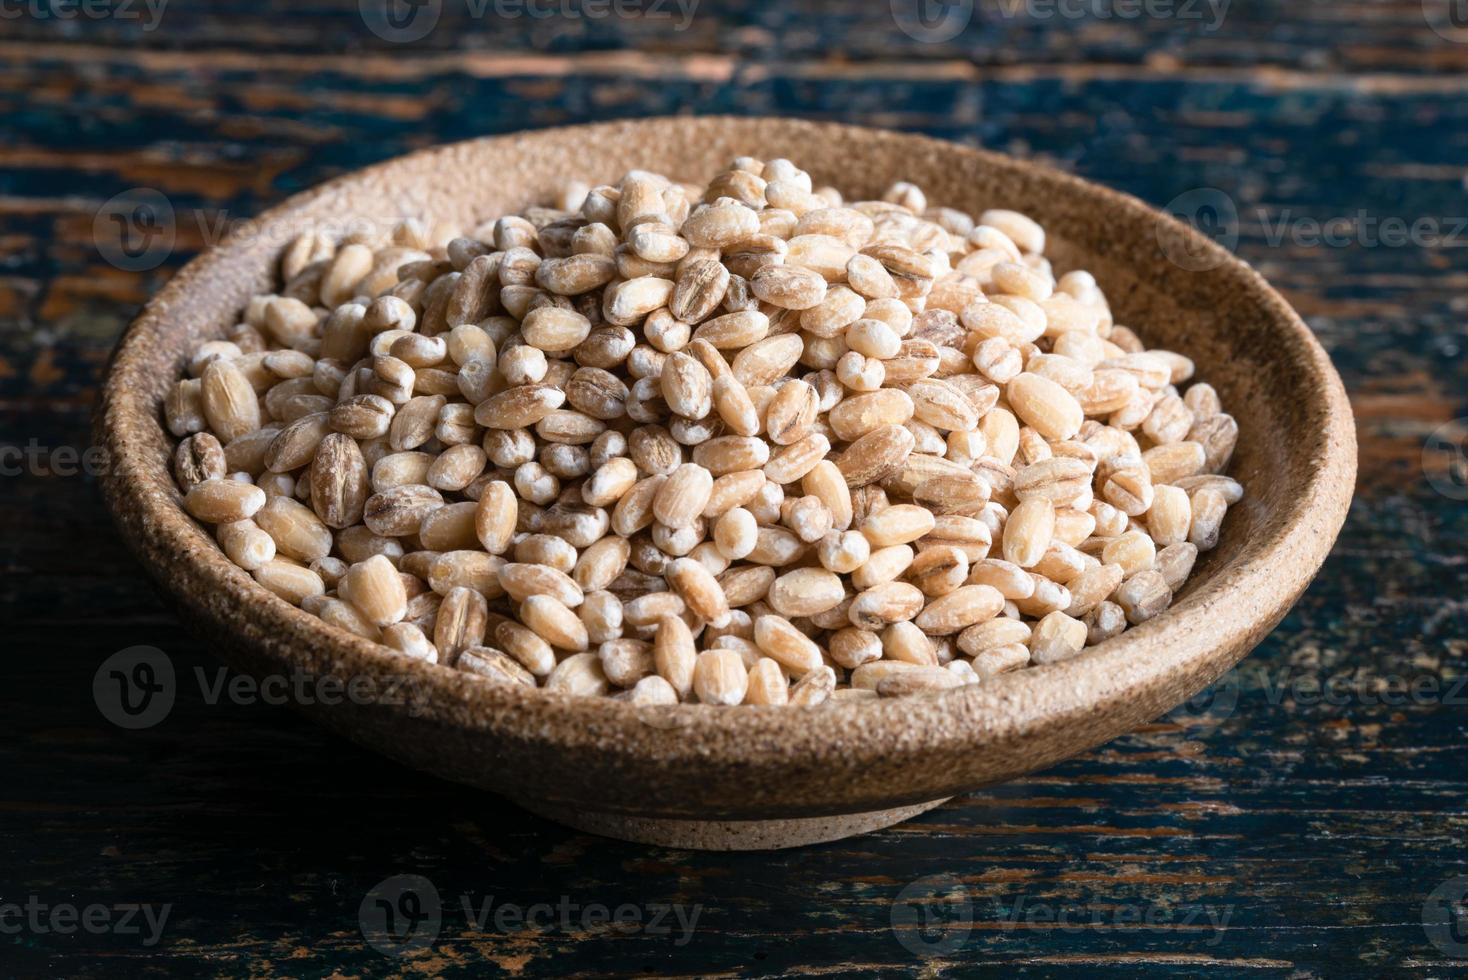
727,835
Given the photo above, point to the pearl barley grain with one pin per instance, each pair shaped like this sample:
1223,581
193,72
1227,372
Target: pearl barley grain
742,443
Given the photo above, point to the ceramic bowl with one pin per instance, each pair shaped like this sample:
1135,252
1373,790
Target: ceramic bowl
695,776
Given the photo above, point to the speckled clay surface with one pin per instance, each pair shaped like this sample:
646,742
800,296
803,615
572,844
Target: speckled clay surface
1296,457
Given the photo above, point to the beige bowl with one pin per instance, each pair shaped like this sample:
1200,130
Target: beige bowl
768,777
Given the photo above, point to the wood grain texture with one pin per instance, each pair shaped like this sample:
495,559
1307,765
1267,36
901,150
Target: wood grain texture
1320,826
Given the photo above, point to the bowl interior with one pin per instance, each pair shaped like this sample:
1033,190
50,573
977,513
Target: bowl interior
1295,458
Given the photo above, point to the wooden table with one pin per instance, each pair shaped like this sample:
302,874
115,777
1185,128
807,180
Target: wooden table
1271,832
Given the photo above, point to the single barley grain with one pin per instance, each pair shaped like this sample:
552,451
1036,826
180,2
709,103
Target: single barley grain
767,684
720,677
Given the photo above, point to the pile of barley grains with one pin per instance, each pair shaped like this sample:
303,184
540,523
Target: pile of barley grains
738,444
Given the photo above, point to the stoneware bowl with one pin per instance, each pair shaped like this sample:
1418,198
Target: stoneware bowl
747,778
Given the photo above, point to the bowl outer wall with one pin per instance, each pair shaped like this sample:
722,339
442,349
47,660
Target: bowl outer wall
1296,457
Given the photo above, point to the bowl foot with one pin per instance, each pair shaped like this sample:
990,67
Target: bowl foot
727,835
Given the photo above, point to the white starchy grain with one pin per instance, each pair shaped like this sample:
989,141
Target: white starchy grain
898,524
816,687
297,531
223,501
1143,596
410,640
1057,637
939,570
884,604
806,592
580,675
997,660
1134,551
246,544
525,645
460,623
960,609
907,643
674,654
883,565
652,690
843,552
1208,507
919,680
699,590
720,677
1175,562
554,623
780,640
735,533
376,590
1028,532
767,684
625,661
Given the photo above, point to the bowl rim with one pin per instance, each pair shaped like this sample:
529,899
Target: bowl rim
1010,708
